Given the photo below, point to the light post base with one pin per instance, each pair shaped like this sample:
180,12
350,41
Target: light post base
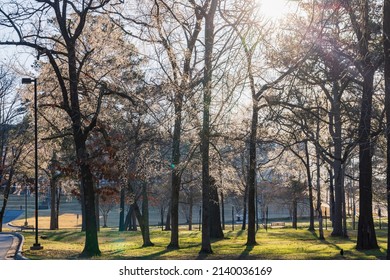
25,224
36,247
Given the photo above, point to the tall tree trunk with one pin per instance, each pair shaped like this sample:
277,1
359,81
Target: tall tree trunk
122,209
130,221
360,20
190,212
319,205
176,177
53,193
354,213
215,213
251,185
331,194
345,229
97,210
366,232
91,245
53,203
58,201
162,217
168,219
245,211
145,218
386,45
310,185
105,218
205,134
337,163
223,210
295,213
82,207
182,85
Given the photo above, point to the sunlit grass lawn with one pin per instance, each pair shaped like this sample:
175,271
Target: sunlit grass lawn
279,244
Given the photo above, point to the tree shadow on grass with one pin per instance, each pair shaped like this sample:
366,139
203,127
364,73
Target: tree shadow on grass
377,253
245,254
155,255
342,253
61,236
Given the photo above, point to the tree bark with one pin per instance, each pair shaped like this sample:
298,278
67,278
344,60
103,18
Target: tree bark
319,205
310,186
245,211
58,201
337,163
251,238
53,203
366,231
215,213
176,177
122,209
190,212
367,66
168,219
223,210
91,246
331,194
128,220
386,45
145,218
295,213
205,134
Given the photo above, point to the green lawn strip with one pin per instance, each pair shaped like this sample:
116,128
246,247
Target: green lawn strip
277,244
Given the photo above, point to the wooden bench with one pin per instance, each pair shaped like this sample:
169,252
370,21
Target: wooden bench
278,225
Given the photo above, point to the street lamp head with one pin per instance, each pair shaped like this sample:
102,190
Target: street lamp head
27,80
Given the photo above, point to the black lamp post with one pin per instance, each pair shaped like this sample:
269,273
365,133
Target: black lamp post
25,204
36,246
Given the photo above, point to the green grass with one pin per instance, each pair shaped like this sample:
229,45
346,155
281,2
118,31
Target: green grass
279,244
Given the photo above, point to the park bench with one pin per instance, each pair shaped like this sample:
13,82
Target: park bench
278,224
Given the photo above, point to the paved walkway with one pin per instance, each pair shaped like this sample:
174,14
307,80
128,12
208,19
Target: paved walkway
9,244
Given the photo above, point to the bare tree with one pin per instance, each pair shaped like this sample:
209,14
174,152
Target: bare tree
14,135
54,30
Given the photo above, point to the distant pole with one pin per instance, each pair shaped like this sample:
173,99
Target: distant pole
266,219
223,211
326,220
257,211
25,206
232,217
162,218
380,216
200,217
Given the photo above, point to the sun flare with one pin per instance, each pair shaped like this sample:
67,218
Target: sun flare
274,9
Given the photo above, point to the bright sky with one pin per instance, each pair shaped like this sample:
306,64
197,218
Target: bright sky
276,9
272,10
